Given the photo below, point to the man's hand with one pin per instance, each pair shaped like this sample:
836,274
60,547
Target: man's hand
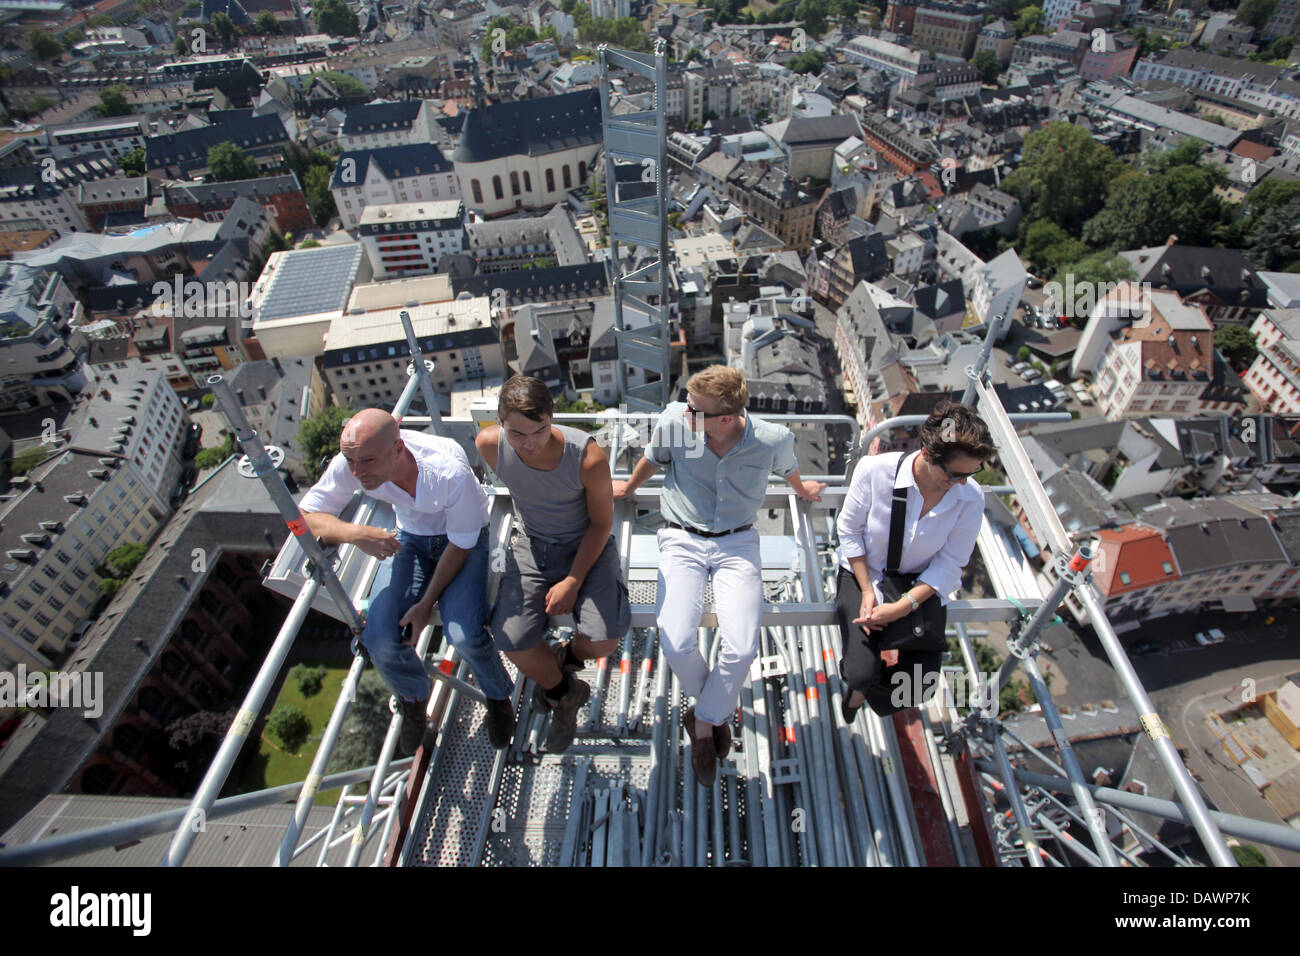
562,596
418,617
812,490
376,542
621,491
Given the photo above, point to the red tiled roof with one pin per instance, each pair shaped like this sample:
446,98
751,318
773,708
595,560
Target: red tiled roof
1138,551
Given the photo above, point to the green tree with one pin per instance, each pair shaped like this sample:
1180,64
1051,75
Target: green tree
229,163
1024,353
986,61
290,725
809,61
123,560
319,437
1062,176
133,162
212,457
1048,247
846,9
363,731
1238,345
1256,13
514,33
335,18
112,101
309,679
309,244
43,44
208,400
224,28
345,85
1029,21
319,198
813,14
180,47
1097,267
1274,237
1143,209
266,24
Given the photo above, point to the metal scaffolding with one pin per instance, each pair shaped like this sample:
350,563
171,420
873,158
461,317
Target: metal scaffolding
800,788
636,188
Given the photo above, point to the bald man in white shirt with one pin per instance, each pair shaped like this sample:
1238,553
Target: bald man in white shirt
439,555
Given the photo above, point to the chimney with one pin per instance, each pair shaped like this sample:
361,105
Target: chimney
239,394
261,390
276,363
1172,240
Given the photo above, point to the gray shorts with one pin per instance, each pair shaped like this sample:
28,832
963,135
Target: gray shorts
519,621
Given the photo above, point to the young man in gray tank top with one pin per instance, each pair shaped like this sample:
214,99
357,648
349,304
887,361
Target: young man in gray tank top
565,560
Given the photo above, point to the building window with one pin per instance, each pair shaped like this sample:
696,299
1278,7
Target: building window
567,176
528,182
582,172
477,190
496,188
550,180
514,183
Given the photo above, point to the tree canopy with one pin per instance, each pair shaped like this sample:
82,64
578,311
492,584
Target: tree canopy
228,163
335,18
112,101
319,437
1062,176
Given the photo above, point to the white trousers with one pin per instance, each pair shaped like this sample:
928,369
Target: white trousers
685,563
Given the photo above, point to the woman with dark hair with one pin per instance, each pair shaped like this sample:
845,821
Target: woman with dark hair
906,530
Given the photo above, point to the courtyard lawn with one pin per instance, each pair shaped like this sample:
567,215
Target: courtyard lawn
273,766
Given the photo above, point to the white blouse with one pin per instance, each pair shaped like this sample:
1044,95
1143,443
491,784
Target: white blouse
938,544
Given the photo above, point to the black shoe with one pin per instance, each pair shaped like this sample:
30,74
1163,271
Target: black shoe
564,716
500,723
847,712
414,721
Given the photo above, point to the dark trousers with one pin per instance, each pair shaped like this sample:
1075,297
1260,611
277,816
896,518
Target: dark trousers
909,683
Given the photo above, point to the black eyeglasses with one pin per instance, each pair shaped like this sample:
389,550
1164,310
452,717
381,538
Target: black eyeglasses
958,476
696,413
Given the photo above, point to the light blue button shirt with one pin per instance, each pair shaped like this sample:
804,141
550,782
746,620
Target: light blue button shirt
710,493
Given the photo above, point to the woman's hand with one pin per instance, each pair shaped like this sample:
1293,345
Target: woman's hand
864,614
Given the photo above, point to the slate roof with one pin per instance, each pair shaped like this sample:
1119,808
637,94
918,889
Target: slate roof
374,117
395,162
531,127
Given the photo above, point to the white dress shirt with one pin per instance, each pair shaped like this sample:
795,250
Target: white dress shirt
448,498
937,545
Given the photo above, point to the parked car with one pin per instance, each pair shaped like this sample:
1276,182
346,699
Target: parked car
1032,376
1020,368
1212,636
1055,386
1144,647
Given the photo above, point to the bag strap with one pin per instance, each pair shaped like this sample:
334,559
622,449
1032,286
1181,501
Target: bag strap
897,519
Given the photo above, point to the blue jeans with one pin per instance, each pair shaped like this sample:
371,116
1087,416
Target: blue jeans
462,606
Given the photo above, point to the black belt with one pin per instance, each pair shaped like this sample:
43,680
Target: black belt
707,534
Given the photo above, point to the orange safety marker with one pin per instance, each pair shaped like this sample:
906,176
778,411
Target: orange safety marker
1078,563
297,526
446,666
812,693
624,666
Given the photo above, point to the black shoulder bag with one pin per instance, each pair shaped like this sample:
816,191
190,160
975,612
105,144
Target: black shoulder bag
923,628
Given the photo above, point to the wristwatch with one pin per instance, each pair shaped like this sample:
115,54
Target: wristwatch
915,605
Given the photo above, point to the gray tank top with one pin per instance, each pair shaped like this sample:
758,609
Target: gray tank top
552,505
